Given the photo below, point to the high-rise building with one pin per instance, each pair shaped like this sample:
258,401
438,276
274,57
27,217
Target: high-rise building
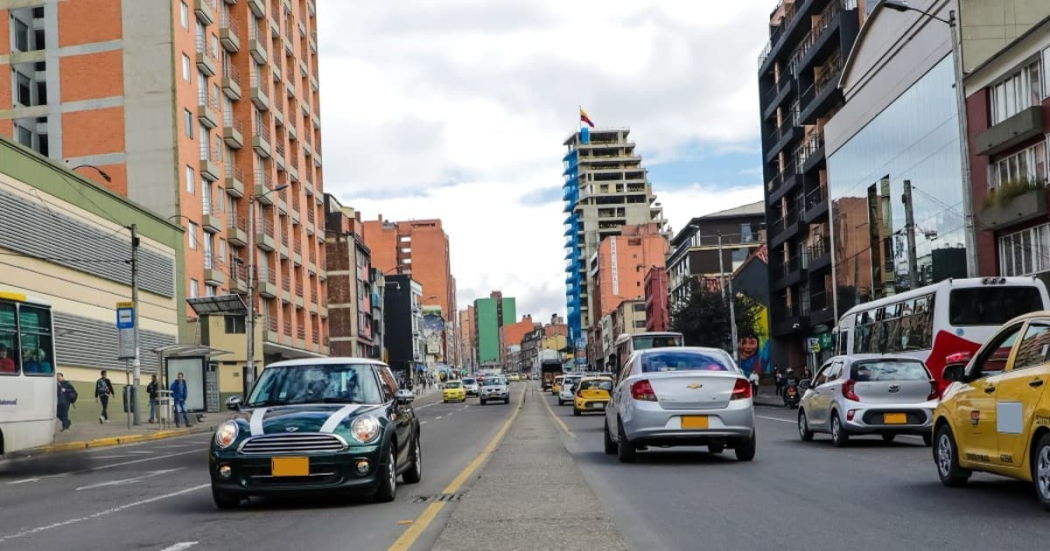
403,330
491,314
350,284
511,335
197,110
606,187
798,75
468,344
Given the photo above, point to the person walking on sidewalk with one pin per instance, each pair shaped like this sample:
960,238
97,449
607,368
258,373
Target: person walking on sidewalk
67,396
151,389
103,390
754,383
178,395
779,380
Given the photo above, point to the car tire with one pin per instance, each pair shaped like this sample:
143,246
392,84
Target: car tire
804,433
387,479
576,412
927,439
889,437
415,471
625,451
839,438
482,401
560,403
1041,470
224,500
946,457
610,446
716,448
506,401
745,449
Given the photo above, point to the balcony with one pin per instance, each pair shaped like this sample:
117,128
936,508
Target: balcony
238,278
777,94
279,153
261,141
824,94
820,40
230,34
214,275
791,272
267,285
207,57
257,48
791,319
781,183
1011,132
205,11
264,234
816,204
262,188
785,227
212,221
231,82
236,229
1022,203
207,109
232,131
258,8
234,180
811,153
819,254
822,308
782,136
208,168
260,91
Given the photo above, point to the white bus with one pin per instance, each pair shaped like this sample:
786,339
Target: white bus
629,342
933,322
28,392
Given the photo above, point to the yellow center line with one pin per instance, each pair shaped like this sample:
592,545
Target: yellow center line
409,537
561,423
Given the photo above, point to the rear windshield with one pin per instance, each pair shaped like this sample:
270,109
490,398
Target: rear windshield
889,370
469,381
454,384
662,341
684,361
595,384
991,305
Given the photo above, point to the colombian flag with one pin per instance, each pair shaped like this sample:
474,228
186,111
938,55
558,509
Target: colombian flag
585,118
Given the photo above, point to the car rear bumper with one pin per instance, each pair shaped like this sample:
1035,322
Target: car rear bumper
328,473
649,423
873,420
591,405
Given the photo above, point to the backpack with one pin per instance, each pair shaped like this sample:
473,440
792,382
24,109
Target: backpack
100,387
71,393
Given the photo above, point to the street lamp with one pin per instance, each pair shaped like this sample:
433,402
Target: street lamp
96,169
249,376
964,136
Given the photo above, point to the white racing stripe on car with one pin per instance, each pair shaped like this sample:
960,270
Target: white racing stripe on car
334,419
256,422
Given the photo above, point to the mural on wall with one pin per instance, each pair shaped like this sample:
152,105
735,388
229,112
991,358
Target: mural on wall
753,345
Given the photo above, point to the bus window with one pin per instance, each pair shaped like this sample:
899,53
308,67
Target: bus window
8,340
37,344
991,305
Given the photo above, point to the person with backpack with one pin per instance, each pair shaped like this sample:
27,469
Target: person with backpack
67,396
103,390
179,391
151,389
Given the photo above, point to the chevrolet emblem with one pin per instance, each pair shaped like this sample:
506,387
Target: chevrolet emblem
694,386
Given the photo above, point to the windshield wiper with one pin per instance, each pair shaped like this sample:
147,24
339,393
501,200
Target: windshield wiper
340,401
266,403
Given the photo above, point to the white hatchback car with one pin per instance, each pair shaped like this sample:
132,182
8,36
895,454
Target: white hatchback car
567,392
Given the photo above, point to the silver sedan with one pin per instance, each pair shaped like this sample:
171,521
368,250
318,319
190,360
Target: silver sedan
681,396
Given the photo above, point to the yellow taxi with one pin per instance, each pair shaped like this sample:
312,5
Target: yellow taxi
455,392
515,378
556,387
592,394
995,415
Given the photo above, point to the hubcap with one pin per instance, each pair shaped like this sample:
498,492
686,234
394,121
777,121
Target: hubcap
419,458
392,477
1042,473
802,424
944,455
835,428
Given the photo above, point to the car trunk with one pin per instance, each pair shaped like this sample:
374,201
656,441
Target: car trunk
892,392
693,389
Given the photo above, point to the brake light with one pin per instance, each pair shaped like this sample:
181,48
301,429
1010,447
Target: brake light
741,390
847,390
579,393
642,390
935,391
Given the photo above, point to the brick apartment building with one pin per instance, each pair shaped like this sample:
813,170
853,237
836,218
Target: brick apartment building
657,315
351,296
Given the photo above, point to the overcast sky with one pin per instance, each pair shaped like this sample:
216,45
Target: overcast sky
456,109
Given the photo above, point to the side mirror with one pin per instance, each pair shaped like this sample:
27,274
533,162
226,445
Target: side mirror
954,373
234,403
404,396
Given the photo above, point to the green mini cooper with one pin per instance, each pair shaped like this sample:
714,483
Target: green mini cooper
317,425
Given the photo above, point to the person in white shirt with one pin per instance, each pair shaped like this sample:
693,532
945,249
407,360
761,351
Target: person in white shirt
754,382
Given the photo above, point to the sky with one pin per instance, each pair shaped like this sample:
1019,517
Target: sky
457,109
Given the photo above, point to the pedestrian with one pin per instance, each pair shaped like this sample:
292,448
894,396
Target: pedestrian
151,390
67,396
103,390
779,380
178,395
754,383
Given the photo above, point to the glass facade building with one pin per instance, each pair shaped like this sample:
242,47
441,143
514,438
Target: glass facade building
916,138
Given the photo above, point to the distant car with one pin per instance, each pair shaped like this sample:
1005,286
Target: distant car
681,396
317,426
494,389
471,385
454,392
592,394
514,377
869,395
556,387
567,390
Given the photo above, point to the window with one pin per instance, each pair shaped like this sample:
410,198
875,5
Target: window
993,360
1018,92
24,89
209,247
235,325
1034,346
35,330
990,306
665,361
8,342
1025,252
190,184
25,136
184,15
1028,165
210,290
192,231
194,288
21,36
187,123
889,370
186,73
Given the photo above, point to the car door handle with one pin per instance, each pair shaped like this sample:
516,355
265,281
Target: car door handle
1035,383
989,389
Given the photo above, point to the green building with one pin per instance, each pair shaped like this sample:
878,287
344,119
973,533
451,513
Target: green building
489,315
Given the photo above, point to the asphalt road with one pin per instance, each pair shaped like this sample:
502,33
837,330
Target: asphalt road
156,495
795,495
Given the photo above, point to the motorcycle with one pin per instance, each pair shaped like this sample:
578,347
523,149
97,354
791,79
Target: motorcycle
792,394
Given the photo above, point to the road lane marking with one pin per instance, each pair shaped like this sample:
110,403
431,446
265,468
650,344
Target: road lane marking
110,466
776,419
438,417
561,423
100,514
180,546
124,481
109,457
413,532
37,479
422,422
140,452
427,406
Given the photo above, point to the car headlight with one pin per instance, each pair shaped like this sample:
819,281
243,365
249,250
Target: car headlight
227,434
365,429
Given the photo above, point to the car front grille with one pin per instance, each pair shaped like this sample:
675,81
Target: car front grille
297,444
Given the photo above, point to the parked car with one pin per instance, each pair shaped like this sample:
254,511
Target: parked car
471,386
314,426
494,389
592,394
682,396
995,415
869,395
454,392
567,390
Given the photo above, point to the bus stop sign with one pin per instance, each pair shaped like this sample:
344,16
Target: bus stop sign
126,330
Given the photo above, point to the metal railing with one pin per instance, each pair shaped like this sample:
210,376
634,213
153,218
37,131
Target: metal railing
299,292
206,200
231,122
300,331
284,237
821,24
263,131
260,81
819,301
234,172
828,78
777,32
230,24
819,248
203,47
778,180
295,201
271,321
816,197
793,264
265,223
279,146
231,72
288,327
310,213
236,222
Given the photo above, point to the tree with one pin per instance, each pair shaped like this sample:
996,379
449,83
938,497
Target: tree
704,320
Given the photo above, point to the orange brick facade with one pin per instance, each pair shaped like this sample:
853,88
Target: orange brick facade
418,247
623,262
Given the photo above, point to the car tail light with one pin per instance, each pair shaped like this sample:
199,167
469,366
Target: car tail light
741,390
935,391
579,393
642,390
850,414
847,390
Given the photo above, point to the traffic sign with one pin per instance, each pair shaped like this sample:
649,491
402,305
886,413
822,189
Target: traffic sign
813,344
125,330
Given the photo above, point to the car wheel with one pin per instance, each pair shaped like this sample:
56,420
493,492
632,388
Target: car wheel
625,451
387,479
576,412
946,455
889,437
482,401
927,439
224,500
838,436
1041,470
745,449
415,472
803,427
560,403
506,401
610,446
716,448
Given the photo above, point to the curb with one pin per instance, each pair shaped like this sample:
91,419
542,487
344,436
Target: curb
111,441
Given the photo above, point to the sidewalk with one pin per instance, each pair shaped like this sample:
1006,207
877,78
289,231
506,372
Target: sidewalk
531,495
767,396
85,435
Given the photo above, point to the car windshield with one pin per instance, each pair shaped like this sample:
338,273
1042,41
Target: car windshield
889,370
469,381
495,381
312,384
596,384
453,384
663,361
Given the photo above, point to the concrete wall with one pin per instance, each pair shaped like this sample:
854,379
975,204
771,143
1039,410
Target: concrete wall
988,26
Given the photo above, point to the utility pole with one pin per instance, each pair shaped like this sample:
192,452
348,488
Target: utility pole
249,319
909,221
970,230
732,309
137,363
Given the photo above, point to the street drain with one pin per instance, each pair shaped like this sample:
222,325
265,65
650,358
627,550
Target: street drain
439,498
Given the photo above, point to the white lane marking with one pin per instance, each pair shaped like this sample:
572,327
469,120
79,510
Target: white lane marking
124,481
775,419
256,422
99,514
108,456
427,406
422,422
438,417
37,479
180,546
104,467
334,419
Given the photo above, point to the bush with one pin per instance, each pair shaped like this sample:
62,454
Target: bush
1010,190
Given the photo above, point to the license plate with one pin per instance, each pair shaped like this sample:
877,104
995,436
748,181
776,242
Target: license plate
290,466
894,418
598,405
694,422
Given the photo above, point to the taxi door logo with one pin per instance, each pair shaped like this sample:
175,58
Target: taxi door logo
975,417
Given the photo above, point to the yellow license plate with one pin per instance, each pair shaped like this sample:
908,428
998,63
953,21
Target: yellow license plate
895,418
290,466
694,422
